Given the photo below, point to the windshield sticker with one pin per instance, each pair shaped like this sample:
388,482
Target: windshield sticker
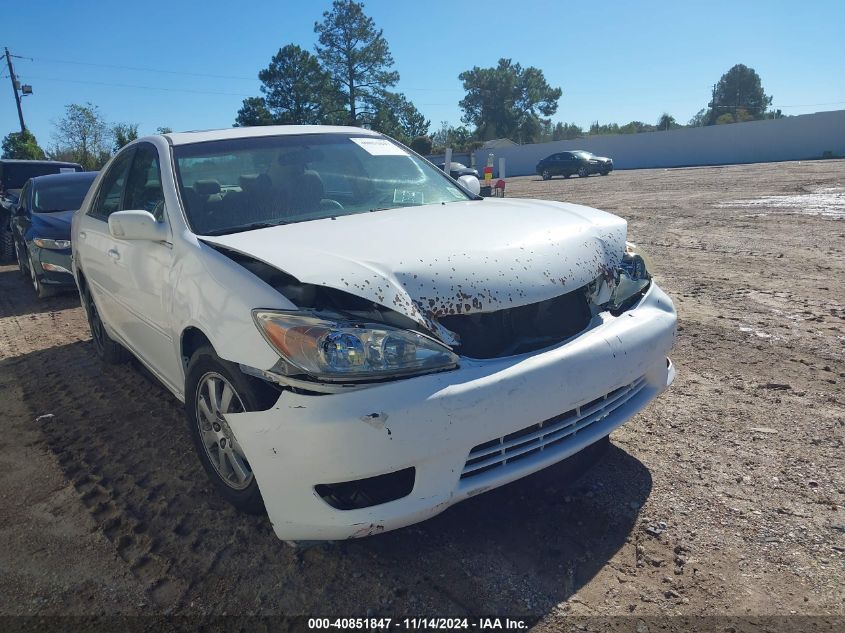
379,147
403,196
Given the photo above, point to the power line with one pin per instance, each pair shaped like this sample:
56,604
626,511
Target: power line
188,73
139,68
136,86
811,105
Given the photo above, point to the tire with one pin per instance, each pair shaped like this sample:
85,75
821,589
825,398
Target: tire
41,291
216,445
605,173
23,266
567,176
109,351
7,249
582,172
547,175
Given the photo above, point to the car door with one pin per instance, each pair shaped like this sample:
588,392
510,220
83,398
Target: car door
95,256
561,163
564,163
143,268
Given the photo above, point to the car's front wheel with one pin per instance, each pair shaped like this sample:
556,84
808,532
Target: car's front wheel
215,388
547,175
41,291
582,172
23,266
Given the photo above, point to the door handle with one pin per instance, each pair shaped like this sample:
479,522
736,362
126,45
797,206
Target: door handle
113,253
82,234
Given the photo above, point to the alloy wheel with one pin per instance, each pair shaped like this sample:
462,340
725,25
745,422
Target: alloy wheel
215,398
22,264
33,276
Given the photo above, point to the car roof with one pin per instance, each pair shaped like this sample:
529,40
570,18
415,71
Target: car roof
182,138
66,177
20,161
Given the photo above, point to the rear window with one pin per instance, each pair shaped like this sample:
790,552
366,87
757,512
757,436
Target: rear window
64,195
14,175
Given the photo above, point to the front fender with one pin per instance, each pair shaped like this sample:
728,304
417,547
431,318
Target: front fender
217,296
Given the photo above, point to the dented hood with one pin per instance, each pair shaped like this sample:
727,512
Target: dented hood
433,260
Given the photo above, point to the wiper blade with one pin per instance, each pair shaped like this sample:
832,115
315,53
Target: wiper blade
246,227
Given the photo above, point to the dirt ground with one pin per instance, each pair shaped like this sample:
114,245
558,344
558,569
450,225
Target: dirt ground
726,496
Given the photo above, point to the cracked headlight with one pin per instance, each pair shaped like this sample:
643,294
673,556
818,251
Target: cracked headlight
634,278
335,350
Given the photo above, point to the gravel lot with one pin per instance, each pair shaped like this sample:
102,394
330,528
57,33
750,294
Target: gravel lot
724,497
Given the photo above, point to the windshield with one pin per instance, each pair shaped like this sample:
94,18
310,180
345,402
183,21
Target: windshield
583,154
61,194
245,183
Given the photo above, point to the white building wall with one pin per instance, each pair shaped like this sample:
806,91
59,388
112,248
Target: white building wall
801,137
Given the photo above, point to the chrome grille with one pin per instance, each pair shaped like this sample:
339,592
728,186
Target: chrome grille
552,434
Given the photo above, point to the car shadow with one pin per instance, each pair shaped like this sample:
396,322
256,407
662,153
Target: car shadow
17,297
121,439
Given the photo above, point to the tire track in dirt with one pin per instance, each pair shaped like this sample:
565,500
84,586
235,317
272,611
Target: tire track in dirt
112,454
102,454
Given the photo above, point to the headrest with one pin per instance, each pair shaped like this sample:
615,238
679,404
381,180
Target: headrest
207,187
247,181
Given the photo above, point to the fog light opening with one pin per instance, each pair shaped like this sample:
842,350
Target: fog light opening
365,493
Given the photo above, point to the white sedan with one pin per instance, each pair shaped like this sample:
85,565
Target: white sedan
361,341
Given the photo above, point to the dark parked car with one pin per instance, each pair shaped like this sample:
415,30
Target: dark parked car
13,175
578,161
41,228
456,170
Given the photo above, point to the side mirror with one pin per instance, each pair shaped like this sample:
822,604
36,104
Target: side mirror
137,225
471,184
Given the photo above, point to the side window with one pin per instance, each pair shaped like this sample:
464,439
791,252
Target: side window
143,184
110,194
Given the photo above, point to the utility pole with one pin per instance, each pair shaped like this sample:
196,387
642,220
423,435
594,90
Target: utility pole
15,89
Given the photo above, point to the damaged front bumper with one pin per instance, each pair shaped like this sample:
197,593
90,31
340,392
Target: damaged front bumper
454,434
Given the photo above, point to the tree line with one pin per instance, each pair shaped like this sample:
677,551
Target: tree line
81,136
349,79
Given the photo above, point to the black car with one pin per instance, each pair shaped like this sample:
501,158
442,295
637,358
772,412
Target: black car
13,175
456,170
41,228
568,164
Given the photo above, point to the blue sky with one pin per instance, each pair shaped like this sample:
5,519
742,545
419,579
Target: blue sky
615,61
